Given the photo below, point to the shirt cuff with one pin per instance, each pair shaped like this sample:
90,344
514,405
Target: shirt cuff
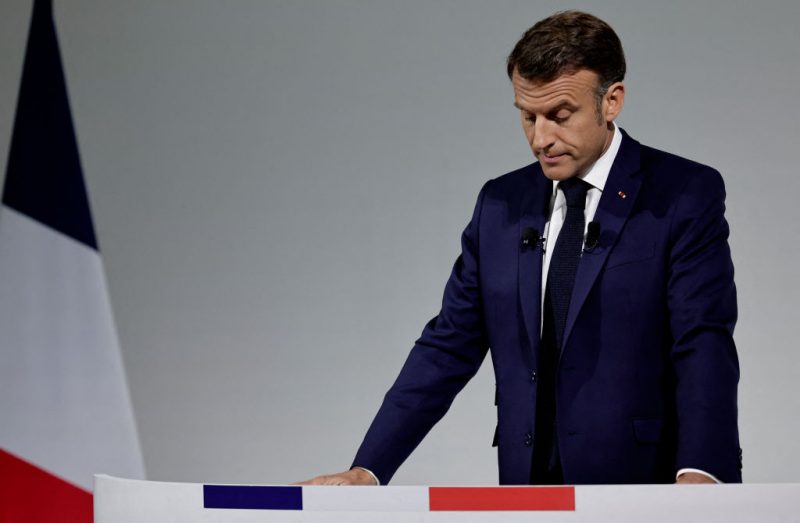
378,483
684,471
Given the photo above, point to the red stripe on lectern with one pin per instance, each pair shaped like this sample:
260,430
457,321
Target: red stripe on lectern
28,493
502,498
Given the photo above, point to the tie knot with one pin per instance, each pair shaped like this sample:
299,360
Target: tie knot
575,191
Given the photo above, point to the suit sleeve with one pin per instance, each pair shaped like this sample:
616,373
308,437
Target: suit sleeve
445,357
702,305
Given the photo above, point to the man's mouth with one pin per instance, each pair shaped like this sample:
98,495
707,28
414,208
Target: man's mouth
550,159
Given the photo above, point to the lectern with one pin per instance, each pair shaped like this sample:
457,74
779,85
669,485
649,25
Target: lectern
122,501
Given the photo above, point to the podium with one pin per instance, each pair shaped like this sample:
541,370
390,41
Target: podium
122,500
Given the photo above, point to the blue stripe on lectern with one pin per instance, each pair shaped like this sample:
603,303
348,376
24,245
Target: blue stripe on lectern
253,497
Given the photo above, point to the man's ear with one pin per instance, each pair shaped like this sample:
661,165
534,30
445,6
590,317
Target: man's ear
613,101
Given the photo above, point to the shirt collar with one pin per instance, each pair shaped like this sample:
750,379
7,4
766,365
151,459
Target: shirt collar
597,175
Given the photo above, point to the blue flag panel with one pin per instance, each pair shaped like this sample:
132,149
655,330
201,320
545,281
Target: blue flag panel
43,178
253,497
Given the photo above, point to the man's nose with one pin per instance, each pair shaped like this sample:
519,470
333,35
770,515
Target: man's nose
543,136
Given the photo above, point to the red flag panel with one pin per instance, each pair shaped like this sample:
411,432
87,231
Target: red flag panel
29,493
502,498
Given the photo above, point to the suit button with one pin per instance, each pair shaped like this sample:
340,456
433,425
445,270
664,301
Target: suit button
528,439
533,377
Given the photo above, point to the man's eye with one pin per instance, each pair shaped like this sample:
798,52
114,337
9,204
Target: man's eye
561,116
530,118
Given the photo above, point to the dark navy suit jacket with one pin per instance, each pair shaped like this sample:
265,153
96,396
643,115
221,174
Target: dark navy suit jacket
647,378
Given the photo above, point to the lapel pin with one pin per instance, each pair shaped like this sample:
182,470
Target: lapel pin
622,195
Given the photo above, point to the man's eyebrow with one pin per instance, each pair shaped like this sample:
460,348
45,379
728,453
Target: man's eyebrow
561,105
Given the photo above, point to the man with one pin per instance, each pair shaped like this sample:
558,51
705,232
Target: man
601,280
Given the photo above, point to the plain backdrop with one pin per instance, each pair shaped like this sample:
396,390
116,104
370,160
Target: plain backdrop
279,188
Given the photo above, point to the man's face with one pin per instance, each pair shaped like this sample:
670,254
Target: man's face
561,120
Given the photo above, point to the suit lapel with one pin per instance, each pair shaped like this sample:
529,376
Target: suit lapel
534,213
619,195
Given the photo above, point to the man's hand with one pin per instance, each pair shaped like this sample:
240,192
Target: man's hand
354,476
693,478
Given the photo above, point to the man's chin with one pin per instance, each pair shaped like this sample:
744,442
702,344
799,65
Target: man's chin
557,175
562,170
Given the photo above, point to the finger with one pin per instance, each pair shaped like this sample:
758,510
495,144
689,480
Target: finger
319,480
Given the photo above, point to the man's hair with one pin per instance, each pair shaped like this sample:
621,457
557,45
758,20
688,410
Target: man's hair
565,43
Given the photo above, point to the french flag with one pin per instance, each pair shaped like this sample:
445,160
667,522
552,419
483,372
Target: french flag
65,411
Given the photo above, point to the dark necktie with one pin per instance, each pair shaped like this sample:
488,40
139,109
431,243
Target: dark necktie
566,255
560,282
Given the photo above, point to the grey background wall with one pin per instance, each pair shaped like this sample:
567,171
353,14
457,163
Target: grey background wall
279,189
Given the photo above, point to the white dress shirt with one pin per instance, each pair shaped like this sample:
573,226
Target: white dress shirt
596,177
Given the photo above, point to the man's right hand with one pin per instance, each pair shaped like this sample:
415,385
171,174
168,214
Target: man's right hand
354,476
